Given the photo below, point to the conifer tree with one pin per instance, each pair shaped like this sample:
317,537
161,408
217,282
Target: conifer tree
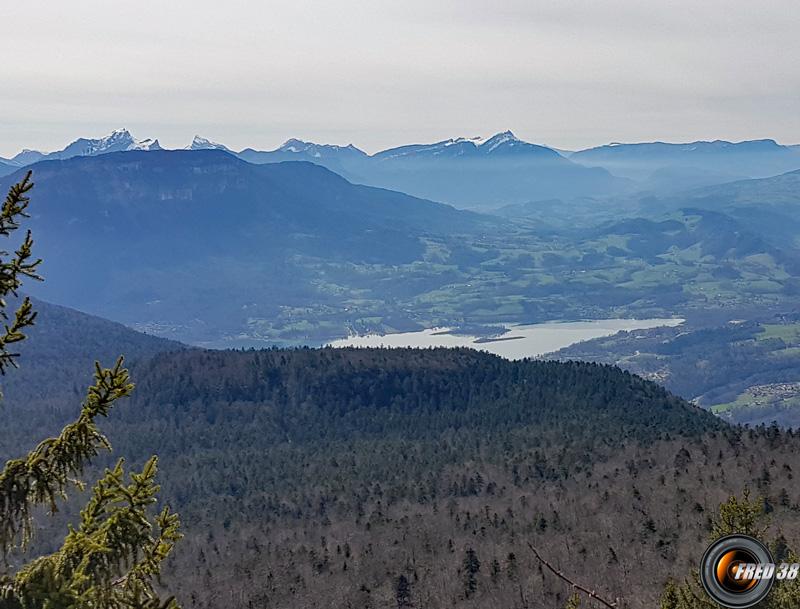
470,567
111,559
402,593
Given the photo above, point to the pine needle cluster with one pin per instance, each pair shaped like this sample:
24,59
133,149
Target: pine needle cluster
112,558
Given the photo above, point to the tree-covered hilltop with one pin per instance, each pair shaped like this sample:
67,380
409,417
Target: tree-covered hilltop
307,395
364,477
399,478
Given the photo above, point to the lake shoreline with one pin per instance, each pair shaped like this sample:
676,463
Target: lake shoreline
526,340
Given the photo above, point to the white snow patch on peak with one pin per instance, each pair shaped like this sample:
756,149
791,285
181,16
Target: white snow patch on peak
116,136
499,139
201,143
316,150
295,145
475,141
119,140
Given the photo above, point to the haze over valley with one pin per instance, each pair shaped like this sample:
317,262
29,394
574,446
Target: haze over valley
243,249
419,305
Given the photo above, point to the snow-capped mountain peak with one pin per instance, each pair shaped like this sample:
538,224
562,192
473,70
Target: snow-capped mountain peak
503,143
201,143
475,141
118,135
312,149
117,140
500,139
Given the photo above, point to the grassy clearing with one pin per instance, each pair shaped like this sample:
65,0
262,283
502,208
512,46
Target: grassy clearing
788,333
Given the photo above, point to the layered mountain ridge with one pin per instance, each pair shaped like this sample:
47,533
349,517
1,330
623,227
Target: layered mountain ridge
486,173
244,235
657,165
464,172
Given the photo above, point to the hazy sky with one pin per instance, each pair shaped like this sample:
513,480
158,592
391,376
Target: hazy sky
567,73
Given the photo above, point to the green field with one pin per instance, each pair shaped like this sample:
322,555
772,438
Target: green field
788,333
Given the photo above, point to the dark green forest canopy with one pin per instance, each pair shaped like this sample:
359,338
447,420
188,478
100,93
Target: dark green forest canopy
264,399
315,394
307,474
407,459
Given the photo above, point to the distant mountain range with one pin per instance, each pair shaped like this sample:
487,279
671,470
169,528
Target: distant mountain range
495,172
119,140
464,172
783,189
663,166
764,206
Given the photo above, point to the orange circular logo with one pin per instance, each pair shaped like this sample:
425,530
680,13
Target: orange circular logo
728,566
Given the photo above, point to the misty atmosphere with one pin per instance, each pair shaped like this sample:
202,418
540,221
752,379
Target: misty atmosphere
381,306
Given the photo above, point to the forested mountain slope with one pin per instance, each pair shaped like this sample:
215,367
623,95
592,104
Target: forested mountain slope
55,366
339,478
310,475
199,244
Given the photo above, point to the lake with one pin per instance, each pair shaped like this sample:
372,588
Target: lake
520,341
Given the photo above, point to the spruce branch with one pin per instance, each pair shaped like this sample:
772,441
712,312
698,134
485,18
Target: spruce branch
20,265
43,476
113,558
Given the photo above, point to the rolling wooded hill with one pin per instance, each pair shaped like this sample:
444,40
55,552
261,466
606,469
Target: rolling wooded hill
374,478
